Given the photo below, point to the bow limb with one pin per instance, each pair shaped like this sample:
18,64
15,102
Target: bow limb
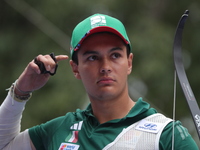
180,71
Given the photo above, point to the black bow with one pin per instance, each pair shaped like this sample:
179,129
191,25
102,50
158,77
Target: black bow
180,71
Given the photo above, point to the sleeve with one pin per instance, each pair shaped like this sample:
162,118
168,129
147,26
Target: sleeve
43,136
21,141
10,118
10,123
39,136
182,139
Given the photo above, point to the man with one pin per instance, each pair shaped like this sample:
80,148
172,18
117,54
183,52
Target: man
102,59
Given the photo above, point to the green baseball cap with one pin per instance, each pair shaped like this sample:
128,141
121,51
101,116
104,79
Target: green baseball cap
94,24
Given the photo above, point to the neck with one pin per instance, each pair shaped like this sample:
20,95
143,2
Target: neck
111,109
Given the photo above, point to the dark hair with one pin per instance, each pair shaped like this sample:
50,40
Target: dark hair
75,57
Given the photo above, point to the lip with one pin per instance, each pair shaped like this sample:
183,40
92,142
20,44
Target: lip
106,80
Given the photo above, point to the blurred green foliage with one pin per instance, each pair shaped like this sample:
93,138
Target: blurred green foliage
29,28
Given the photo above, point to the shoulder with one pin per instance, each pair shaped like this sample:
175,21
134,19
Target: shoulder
53,128
65,120
182,139
57,122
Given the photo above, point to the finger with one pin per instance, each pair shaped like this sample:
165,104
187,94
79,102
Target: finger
45,63
56,59
61,57
34,67
48,63
47,60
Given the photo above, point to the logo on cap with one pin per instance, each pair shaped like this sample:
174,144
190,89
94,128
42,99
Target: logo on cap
98,21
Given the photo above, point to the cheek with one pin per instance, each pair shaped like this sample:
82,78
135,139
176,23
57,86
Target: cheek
89,79
123,68
87,73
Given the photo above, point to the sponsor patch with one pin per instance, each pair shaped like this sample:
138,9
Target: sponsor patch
68,146
149,126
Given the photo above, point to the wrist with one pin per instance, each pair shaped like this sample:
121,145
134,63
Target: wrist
18,94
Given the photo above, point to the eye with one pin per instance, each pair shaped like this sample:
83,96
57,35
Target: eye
116,55
92,58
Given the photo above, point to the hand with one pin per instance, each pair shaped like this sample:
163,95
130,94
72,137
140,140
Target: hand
31,78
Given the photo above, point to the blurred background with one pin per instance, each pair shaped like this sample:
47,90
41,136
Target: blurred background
29,28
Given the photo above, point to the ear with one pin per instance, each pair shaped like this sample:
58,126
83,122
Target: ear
130,60
74,67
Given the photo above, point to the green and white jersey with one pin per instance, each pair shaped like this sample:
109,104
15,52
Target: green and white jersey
80,130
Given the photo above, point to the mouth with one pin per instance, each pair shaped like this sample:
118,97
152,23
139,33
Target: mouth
105,80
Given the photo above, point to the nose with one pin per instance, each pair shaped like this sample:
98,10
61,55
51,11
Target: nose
104,70
105,67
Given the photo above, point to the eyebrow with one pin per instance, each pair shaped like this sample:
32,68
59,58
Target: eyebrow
95,52
116,48
90,52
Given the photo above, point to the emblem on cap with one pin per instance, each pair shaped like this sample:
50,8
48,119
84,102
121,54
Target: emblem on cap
98,21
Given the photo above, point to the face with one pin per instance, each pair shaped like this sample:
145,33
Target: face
103,66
